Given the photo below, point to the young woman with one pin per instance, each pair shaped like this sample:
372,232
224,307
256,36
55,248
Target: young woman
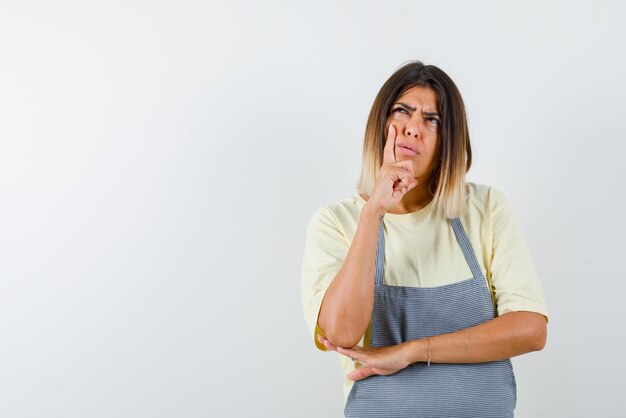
422,281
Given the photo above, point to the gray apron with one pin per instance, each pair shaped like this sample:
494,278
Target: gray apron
442,390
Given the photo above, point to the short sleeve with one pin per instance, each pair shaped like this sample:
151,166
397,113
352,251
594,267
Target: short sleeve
515,283
324,252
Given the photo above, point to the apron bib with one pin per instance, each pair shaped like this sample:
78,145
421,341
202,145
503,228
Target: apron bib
442,390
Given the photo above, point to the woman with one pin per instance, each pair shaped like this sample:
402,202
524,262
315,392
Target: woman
420,280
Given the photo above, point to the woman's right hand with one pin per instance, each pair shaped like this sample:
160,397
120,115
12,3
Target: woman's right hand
394,180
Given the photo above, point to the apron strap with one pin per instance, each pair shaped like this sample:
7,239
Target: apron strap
466,247
379,275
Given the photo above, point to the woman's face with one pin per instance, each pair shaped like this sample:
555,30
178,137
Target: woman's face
416,121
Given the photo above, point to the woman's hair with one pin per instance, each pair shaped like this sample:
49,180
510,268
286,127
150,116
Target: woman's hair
454,153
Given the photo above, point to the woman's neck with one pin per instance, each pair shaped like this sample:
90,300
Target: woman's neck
417,198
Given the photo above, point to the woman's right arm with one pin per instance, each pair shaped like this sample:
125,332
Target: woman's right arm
347,305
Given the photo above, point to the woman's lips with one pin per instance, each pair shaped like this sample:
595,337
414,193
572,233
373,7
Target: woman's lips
407,151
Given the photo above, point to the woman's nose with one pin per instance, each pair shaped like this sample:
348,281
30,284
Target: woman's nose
412,128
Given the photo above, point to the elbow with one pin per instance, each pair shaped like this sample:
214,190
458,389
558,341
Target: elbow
540,340
538,334
343,329
529,331
343,341
342,337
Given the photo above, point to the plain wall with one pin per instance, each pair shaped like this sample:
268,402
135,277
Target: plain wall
159,162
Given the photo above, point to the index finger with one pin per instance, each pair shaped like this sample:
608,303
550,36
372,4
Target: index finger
389,153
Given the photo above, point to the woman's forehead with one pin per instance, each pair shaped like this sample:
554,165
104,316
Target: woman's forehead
419,97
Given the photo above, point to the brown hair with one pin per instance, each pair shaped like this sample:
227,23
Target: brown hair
454,151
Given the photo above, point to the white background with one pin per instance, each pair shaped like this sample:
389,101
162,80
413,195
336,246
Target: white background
159,161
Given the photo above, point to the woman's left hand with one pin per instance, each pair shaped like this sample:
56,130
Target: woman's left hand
379,360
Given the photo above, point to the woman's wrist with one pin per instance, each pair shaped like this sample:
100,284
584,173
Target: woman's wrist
418,351
370,212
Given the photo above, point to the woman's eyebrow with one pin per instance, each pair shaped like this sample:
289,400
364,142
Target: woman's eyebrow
407,107
413,109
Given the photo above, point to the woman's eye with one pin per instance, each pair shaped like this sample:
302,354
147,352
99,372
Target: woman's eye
401,110
435,120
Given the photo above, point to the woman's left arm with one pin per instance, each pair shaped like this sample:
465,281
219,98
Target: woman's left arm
506,336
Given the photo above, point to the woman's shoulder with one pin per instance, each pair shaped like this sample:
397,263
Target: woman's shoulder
486,203
341,212
350,204
484,197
